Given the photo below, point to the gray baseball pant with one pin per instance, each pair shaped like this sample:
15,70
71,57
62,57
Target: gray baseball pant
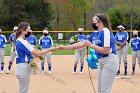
108,67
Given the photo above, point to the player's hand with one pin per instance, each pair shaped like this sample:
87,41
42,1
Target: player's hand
61,47
122,45
87,43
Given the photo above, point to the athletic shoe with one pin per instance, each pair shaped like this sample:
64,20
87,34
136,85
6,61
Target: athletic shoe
133,73
74,73
81,72
42,72
49,72
118,73
8,72
1,72
125,73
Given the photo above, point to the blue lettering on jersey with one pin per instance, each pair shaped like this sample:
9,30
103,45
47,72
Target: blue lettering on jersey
135,44
45,42
121,36
105,39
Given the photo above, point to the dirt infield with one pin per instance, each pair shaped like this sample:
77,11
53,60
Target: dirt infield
62,80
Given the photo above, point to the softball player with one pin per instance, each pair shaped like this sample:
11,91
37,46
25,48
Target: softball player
2,51
12,55
46,42
135,47
121,38
31,39
108,60
80,53
24,52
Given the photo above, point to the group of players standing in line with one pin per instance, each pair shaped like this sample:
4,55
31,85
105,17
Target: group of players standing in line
45,41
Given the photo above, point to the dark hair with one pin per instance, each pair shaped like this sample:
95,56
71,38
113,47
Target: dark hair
105,20
22,26
80,27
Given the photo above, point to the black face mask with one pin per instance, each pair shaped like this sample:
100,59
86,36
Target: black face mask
28,34
46,34
94,26
135,35
80,33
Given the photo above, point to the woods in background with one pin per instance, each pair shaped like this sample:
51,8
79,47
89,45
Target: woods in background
68,14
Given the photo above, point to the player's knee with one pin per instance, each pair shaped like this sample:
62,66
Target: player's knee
75,63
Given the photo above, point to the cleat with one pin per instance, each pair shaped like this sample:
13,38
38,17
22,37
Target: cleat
125,73
74,73
49,72
118,73
133,73
81,72
42,72
8,72
1,72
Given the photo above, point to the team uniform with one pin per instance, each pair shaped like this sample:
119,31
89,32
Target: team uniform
135,47
31,40
46,42
23,56
121,37
108,63
93,36
12,55
80,53
2,51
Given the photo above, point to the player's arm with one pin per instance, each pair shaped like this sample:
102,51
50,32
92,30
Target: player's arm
10,40
30,50
73,46
103,50
117,42
5,41
38,53
125,41
51,41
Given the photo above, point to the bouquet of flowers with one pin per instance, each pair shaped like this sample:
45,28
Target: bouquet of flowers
34,63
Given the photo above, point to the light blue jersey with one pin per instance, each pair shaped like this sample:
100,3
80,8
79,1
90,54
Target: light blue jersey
135,44
45,42
31,40
2,41
11,38
81,37
105,39
23,51
121,36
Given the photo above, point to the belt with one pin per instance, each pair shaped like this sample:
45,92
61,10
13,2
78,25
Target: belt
135,50
104,56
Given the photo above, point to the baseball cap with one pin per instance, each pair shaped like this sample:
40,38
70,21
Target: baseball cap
15,27
80,29
120,26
